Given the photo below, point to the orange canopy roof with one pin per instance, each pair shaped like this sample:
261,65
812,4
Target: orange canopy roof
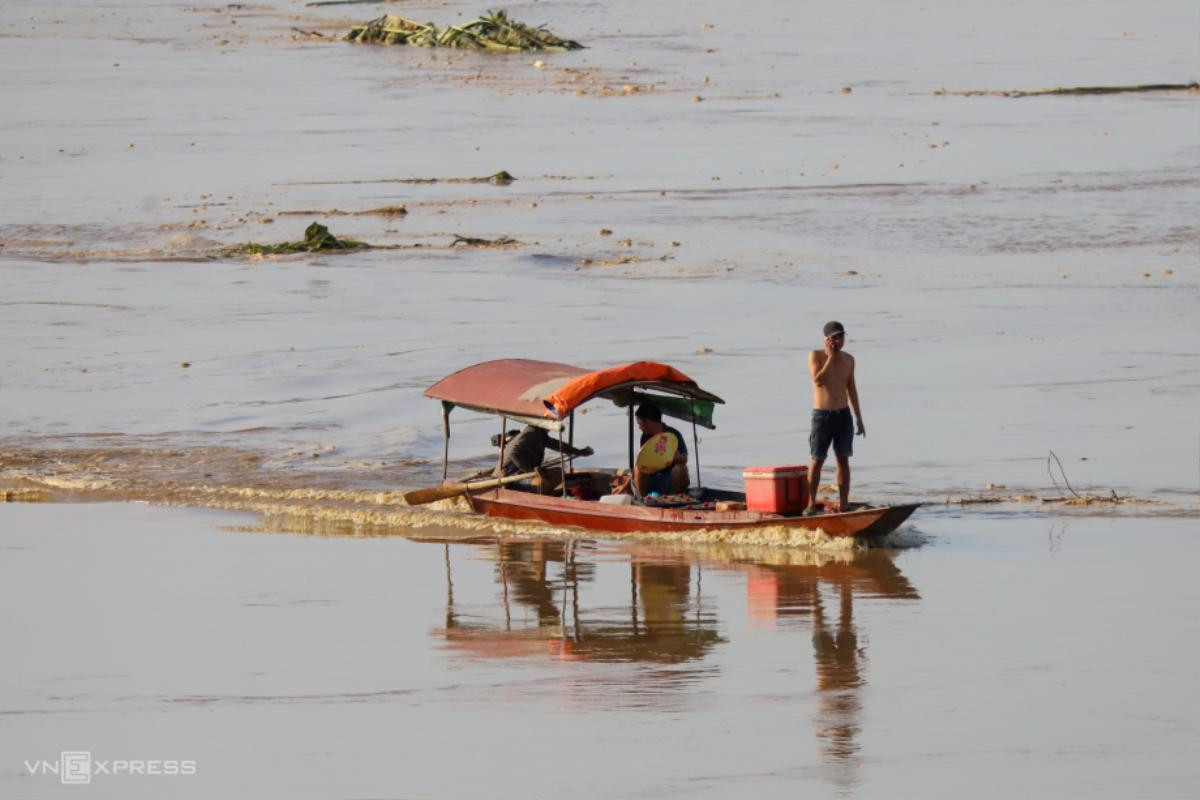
547,390
581,389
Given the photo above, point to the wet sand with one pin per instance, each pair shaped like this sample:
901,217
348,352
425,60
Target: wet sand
1044,655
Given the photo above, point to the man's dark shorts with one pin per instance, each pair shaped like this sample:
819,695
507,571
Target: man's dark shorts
831,427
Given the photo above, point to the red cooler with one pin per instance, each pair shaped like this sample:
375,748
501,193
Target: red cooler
776,490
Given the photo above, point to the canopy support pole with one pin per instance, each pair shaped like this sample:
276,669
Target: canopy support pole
561,463
503,442
446,407
695,442
571,443
631,438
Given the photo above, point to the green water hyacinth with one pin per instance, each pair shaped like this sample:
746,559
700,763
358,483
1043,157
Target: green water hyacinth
316,238
494,31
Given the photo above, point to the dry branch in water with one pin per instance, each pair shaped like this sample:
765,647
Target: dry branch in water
1077,499
1062,472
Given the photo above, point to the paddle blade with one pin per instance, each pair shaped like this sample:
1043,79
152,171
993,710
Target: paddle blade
419,497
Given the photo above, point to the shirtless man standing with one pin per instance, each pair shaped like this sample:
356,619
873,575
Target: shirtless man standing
834,396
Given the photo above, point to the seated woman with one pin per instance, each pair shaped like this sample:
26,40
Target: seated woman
672,478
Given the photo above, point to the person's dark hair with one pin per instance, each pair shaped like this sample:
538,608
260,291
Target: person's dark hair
508,437
650,411
833,327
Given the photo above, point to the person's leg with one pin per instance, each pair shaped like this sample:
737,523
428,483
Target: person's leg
843,448
548,480
654,482
843,481
640,481
814,483
680,480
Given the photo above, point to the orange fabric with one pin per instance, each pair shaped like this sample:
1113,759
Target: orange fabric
580,389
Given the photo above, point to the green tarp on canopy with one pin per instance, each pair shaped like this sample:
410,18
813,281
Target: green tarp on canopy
684,408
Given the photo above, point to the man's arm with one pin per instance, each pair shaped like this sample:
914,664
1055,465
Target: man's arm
552,443
819,370
852,395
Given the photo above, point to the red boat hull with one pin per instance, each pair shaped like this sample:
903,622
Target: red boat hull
518,505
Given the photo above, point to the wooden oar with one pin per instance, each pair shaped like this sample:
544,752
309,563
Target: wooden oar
418,497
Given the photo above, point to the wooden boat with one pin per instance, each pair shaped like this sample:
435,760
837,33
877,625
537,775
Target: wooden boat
546,395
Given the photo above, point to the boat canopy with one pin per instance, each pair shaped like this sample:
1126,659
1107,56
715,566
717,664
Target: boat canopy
543,393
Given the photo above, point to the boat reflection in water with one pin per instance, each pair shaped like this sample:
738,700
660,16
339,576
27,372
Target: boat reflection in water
662,616
560,600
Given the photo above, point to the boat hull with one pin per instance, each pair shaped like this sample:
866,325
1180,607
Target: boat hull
560,512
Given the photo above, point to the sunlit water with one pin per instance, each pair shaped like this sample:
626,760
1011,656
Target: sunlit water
1016,276
1054,658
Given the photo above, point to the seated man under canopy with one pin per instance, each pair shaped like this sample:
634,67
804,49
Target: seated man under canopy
673,477
525,450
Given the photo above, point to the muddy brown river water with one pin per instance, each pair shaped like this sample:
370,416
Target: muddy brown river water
986,658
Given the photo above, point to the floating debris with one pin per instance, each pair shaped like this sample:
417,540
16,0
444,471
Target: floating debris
494,31
385,211
471,241
1147,87
316,238
343,3
501,178
971,501
1112,499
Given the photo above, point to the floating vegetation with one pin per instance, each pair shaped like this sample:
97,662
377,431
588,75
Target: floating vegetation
385,211
1112,499
343,3
501,178
316,238
1146,87
471,241
494,31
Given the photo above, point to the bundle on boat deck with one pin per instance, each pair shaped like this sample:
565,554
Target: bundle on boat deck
494,31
